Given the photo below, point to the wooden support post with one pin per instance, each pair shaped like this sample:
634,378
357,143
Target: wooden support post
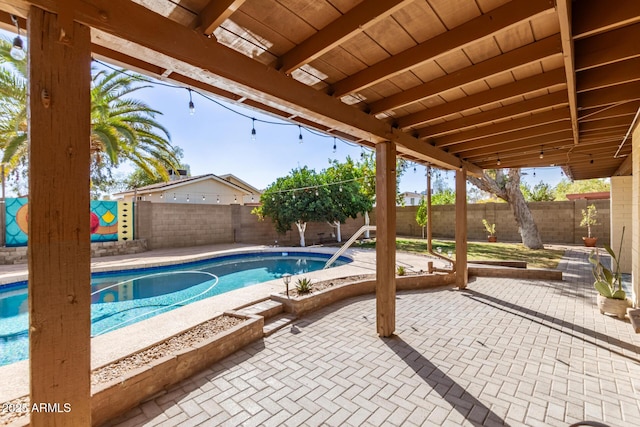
386,238
429,217
59,239
462,273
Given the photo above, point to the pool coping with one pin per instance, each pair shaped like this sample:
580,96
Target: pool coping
145,333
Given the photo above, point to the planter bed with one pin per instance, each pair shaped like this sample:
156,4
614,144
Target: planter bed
127,382
301,305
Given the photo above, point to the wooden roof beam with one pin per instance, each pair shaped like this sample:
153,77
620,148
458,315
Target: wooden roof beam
608,75
564,16
356,20
615,110
602,49
531,142
516,135
136,28
500,93
499,64
596,16
610,95
626,168
504,127
215,13
478,28
485,117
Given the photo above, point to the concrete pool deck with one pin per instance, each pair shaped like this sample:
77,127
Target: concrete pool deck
145,333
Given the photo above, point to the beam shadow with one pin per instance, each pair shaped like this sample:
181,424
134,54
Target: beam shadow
464,403
556,324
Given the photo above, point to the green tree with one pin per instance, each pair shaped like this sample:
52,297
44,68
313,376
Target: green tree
565,187
122,128
445,197
346,195
293,200
421,215
542,192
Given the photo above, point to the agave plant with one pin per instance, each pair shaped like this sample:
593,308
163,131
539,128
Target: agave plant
303,286
608,282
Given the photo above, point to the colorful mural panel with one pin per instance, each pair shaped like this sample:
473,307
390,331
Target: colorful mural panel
103,215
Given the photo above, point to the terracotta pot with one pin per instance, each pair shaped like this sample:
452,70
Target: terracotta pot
589,242
613,306
492,239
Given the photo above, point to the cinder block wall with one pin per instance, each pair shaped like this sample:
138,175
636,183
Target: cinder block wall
166,225
621,193
558,222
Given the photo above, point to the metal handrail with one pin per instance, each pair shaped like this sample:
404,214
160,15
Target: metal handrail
349,243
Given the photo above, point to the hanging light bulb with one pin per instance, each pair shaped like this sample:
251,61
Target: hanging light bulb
203,198
161,195
235,199
294,196
498,162
534,172
252,199
415,169
174,196
317,192
300,134
334,144
192,107
253,129
17,50
187,198
541,152
218,198
340,189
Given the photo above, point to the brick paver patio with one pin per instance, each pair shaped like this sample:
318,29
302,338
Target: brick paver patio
502,352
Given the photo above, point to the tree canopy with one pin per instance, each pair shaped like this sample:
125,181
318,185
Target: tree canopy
122,128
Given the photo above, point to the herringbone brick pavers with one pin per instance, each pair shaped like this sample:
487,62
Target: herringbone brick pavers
502,352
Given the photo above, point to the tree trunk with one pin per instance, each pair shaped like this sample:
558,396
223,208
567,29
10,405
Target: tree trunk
526,225
508,189
366,222
338,232
302,226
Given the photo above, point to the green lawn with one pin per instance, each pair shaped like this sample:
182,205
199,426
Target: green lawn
540,258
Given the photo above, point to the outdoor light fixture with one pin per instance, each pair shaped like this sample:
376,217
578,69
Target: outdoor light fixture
187,198
334,144
203,198
218,199
174,196
192,107
235,198
286,278
17,50
300,135
253,130
498,162
541,153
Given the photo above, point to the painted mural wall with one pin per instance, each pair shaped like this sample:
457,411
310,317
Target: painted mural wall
110,221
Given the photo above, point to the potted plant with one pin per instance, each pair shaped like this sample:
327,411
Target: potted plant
491,229
608,282
588,219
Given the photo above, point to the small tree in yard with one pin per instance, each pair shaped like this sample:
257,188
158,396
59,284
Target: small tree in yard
421,215
293,200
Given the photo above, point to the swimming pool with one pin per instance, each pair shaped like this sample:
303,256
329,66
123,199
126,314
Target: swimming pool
120,298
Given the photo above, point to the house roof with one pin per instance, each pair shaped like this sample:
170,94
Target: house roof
244,184
480,83
170,185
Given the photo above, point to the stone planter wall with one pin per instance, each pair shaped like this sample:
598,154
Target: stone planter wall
317,300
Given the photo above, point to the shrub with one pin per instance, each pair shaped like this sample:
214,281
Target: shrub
303,286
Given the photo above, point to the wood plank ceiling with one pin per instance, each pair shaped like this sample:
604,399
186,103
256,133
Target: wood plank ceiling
487,83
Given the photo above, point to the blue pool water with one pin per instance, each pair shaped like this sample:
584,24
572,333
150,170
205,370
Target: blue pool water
121,298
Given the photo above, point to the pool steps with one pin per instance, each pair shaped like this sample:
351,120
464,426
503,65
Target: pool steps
273,313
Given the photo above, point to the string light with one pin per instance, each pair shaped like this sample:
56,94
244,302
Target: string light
253,129
192,107
334,144
541,152
235,199
161,195
252,200
218,199
226,107
187,198
203,198
498,162
17,49
174,196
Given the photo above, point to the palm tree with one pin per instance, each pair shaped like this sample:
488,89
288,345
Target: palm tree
122,128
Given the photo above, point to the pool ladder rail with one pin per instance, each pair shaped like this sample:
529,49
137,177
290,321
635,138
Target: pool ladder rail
348,243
